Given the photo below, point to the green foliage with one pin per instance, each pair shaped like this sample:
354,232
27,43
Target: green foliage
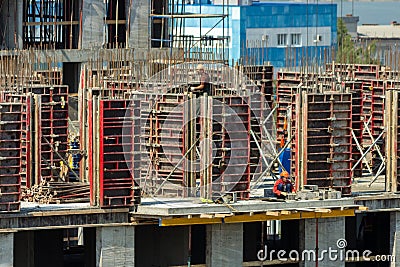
349,53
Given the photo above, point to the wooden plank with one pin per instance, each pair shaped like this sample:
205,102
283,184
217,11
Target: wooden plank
184,221
323,210
208,216
286,212
64,23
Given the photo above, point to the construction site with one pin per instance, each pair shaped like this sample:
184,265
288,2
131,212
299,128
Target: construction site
108,157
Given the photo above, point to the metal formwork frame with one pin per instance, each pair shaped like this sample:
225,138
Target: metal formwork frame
287,82
49,128
355,88
26,133
53,129
324,141
231,143
168,143
11,127
115,153
92,149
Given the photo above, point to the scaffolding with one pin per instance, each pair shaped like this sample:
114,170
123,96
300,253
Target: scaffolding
169,19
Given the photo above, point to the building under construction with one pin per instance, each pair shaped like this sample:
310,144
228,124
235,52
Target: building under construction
109,157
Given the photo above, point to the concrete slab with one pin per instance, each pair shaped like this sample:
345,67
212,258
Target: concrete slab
379,202
34,217
175,207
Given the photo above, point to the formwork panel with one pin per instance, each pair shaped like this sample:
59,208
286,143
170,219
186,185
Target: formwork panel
52,127
397,145
231,171
355,88
11,128
287,83
115,151
329,144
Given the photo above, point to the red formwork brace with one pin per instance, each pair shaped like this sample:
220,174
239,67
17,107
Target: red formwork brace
10,155
115,151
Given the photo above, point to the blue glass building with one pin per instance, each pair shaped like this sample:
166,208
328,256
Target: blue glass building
282,33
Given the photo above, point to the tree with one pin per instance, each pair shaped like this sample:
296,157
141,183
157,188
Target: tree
349,53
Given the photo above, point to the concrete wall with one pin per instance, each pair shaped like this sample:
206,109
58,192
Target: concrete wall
24,249
6,249
161,246
93,28
394,239
138,16
319,235
11,24
250,26
94,32
48,246
115,246
224,245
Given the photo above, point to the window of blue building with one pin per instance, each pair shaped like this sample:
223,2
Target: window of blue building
282,39
295,39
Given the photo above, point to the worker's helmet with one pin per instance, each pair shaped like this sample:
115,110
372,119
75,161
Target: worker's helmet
200,67
285,174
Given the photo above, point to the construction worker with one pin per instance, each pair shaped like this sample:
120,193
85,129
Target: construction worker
283,186
204,86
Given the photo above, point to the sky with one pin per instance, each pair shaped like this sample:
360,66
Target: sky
371,12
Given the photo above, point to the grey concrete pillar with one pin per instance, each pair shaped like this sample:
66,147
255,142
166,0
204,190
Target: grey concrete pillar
8,19
94,32
24,249
115,246
6,249
19,30
224,245
395,237
48,248
322,240
161,246
138,23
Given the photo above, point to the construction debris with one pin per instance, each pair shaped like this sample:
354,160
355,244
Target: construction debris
56,192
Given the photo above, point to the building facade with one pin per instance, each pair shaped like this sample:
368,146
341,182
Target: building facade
282,33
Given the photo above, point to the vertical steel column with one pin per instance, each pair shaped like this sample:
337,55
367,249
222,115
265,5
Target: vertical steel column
206,146
36,147
391,126
83,110
301,140
189,137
